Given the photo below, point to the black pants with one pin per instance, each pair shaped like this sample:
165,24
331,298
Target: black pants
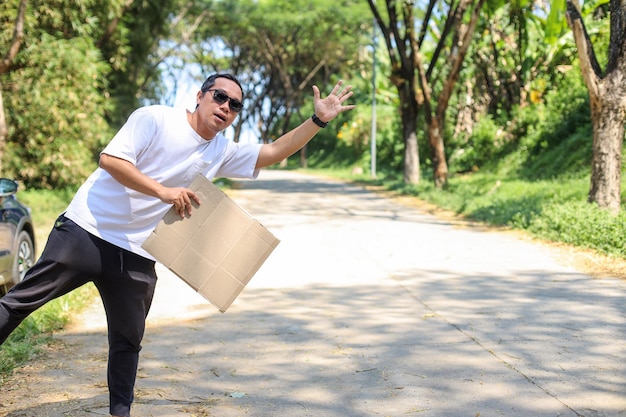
126,281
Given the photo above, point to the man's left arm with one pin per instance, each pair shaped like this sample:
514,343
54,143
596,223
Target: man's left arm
326,109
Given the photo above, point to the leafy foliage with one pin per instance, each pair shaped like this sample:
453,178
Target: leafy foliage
56,123
581,224
553,137
83,66
478,148
133,53
278,52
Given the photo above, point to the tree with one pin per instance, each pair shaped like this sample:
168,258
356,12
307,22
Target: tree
401,43
454,55
73,69
278,53
130,40
443,37
515,58
520,56
5,66
607,94
52,94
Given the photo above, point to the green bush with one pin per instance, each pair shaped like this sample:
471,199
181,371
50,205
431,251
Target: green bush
582,224
56,124
476,149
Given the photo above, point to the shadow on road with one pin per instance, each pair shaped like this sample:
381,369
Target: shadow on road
425,343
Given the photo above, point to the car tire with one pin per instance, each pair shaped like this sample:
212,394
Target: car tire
24,256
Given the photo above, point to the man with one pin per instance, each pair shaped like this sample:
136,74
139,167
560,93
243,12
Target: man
143,171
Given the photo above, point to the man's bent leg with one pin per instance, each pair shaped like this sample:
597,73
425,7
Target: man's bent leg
126,288
62,268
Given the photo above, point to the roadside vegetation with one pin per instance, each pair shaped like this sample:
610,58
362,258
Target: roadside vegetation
529,171
552,210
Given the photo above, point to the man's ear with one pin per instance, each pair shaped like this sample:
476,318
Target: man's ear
199,98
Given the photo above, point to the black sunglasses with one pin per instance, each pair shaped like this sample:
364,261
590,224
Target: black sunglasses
221,97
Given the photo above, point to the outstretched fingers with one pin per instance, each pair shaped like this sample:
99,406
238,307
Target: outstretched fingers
329,107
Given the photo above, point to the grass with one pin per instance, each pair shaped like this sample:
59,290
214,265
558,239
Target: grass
36,330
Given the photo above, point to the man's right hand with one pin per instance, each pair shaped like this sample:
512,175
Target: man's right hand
180,198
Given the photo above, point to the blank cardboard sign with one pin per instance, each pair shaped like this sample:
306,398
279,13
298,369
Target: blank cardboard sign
216,250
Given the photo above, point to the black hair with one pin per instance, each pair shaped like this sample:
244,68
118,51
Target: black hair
210,81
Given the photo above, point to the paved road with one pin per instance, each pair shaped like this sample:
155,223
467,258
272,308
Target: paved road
366,308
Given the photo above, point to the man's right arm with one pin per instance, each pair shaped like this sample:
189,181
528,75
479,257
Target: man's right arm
129,176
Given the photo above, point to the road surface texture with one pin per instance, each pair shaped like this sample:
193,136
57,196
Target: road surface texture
366,308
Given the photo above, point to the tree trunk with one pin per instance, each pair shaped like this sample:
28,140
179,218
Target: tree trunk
608,135
401,48
607,94
303,157
238,127
435,116
411,147
440,165
411,159
4,129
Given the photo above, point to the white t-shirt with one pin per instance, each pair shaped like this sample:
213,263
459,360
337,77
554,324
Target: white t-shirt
161,143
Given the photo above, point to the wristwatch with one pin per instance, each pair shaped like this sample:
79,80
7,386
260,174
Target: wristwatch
317,121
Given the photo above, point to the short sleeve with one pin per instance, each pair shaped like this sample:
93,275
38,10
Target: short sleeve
240,161
133,137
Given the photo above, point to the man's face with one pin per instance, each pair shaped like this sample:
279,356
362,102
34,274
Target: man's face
214,116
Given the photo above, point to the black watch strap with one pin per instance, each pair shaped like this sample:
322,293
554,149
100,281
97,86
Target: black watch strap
318,122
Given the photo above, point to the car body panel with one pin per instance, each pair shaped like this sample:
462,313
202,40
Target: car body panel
14,218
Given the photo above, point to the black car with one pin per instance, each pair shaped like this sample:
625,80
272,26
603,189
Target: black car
17,238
